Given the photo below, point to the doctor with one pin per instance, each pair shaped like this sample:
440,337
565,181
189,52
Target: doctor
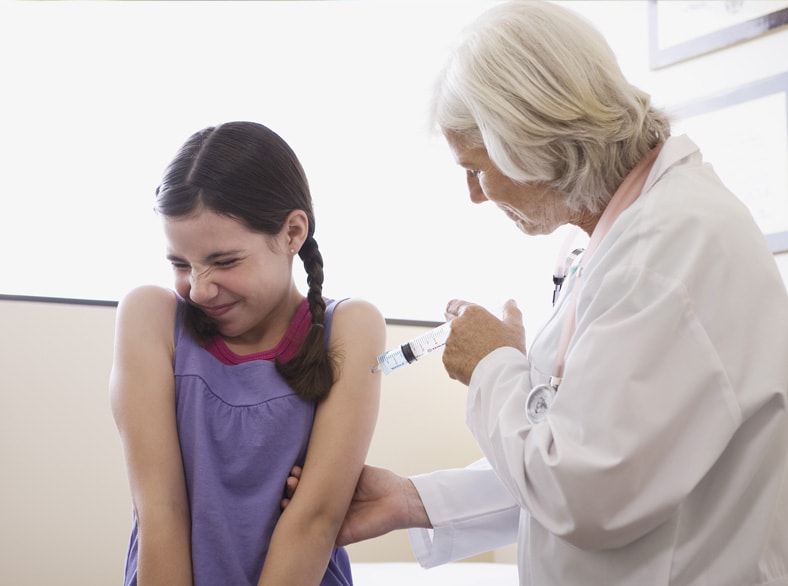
642,436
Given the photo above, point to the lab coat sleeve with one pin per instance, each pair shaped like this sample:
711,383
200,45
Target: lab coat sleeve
470,510
643,387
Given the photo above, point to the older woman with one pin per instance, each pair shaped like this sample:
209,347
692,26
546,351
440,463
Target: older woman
641,439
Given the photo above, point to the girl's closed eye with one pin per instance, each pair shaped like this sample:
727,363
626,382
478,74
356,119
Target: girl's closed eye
225,263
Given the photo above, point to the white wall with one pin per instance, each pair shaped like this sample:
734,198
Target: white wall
100,94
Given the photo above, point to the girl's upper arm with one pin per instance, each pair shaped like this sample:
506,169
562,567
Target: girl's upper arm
346,419
344,422
142,398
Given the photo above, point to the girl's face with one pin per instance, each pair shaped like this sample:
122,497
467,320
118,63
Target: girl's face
241,279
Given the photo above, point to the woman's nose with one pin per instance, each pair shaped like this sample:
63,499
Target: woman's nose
475,190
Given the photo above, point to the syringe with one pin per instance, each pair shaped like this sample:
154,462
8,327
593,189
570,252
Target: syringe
413,350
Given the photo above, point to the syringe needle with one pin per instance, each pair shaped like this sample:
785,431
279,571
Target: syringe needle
376,369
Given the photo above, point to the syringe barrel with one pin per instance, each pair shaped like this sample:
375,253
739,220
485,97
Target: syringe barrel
411,351
427,342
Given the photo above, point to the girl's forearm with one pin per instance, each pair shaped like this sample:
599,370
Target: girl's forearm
299,555
164,554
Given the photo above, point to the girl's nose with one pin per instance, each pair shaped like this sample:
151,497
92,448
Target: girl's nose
202,288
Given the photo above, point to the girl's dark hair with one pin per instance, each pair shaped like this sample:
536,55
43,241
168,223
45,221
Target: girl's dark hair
245,171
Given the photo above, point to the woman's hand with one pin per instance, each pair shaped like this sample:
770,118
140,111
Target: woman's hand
382,502
475,332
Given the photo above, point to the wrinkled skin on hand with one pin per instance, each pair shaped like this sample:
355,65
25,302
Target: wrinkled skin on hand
383,501
475,332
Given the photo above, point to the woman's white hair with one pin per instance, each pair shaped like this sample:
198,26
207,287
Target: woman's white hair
539,88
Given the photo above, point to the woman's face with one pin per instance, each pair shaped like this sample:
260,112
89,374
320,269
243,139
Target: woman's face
533,207
241,279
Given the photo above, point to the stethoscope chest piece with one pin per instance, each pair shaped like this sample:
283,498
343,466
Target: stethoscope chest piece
538,403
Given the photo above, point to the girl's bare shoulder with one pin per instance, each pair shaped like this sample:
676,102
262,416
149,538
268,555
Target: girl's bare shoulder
150,307
356,311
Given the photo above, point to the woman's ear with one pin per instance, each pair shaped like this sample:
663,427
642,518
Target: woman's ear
296,230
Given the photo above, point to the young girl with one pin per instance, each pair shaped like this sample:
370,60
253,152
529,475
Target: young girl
219,388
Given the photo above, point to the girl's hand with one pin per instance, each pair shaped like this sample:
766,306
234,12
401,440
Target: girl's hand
291,484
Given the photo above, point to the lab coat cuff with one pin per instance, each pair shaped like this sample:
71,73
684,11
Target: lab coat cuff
470,511
430,549
450,543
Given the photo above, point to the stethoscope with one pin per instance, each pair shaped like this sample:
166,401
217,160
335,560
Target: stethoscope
542,396
566,268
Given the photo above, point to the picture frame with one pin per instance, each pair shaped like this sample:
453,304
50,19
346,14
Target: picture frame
683,29
743,134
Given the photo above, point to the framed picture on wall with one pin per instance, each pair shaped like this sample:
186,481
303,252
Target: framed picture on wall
682,29
743,134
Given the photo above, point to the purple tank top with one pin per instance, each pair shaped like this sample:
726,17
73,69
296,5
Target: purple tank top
241,430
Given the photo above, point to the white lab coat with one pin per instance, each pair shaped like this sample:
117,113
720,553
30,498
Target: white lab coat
663,458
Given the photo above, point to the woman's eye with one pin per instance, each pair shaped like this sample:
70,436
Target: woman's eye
179,266
226,263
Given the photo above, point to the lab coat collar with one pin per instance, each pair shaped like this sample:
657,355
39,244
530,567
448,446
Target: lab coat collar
676,149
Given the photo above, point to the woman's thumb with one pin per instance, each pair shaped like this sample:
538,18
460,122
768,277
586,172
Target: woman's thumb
512,315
